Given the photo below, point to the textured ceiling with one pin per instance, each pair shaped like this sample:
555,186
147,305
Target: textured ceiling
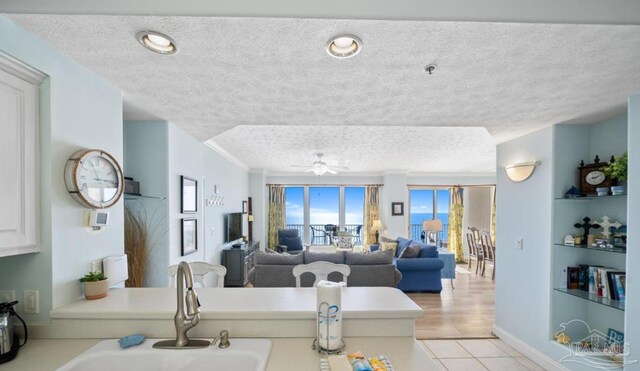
363,148
510,78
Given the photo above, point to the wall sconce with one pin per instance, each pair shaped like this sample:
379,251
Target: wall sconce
521,171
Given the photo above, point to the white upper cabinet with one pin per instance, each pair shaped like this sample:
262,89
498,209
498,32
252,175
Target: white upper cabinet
19,183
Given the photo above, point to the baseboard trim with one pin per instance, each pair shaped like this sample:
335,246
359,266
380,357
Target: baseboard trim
535,355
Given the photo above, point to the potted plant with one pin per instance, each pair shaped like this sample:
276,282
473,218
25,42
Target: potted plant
617,171
96,285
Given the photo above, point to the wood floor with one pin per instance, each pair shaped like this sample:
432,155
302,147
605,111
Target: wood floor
468,311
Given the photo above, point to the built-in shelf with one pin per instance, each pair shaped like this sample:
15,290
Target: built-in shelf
619,250
588,198
616,304
138,197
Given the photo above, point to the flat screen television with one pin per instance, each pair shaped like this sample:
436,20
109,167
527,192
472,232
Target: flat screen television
234,226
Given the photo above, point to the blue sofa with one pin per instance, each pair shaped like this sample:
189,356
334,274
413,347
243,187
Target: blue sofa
422,273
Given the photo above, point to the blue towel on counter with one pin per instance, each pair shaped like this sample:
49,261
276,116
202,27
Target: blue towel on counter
131,340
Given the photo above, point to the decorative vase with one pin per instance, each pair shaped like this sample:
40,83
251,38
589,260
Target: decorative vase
617,190
96,290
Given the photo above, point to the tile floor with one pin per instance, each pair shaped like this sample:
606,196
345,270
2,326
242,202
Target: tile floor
473,355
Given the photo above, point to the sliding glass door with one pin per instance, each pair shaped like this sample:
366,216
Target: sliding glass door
294,209
428,204
314,209
324,211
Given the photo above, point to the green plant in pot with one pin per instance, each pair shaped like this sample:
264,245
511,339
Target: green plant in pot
617,171
96,285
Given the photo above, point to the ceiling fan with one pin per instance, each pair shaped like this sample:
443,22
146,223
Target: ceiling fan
320,167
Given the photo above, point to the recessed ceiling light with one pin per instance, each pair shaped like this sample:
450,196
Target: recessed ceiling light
157,42
344,46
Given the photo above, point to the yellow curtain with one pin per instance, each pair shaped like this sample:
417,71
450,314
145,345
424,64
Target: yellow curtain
276,213
455,222
371,213
493,217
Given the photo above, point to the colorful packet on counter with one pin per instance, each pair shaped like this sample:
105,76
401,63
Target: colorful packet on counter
359,362
376,364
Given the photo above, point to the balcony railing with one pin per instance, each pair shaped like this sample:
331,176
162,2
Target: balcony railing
318,236
416,232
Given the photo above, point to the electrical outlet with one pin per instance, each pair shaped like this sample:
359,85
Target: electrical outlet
519,243
96,266
31,302
7,296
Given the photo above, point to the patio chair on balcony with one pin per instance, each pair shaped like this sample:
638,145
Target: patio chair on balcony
317,234
330,231
356,233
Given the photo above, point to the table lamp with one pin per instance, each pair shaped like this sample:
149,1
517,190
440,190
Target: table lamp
432,227
377,226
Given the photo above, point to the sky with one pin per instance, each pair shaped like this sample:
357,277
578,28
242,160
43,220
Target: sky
324,204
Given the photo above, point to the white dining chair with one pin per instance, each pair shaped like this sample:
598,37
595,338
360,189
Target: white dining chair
199,270
321,270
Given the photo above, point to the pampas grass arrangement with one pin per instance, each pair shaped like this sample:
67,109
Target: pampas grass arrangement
136,246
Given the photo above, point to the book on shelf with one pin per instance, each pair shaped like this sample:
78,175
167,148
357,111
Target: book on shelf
573,277
583,277
616,289
593,281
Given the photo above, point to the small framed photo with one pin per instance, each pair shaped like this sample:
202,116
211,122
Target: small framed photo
397,208
189,236
189,195
245,208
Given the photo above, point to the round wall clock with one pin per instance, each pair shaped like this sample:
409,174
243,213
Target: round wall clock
94,178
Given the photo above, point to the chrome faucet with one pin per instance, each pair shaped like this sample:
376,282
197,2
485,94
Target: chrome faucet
185,320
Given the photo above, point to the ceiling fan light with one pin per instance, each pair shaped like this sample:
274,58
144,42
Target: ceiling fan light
318,170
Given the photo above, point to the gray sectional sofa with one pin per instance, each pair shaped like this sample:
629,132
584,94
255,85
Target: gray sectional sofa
373,269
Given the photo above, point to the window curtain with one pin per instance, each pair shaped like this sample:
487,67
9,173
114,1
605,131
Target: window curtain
493,217
276,213
371,212
455,222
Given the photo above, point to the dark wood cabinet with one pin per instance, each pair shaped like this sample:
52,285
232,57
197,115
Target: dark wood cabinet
238,262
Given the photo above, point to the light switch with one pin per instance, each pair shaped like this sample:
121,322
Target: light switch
31,301
519,243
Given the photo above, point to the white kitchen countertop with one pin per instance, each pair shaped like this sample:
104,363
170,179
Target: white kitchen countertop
246,312
242,303
287,354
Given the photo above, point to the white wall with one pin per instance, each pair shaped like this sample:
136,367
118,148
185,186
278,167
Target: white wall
158,154
394,190
146,160
260,203
477,212
78,110
524,211
632,331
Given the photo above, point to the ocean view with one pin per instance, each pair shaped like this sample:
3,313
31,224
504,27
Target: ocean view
417,218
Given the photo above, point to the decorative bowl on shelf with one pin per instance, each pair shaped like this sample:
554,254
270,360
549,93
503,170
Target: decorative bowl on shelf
602,191
617,190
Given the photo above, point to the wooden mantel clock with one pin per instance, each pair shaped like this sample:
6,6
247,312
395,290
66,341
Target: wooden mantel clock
592,176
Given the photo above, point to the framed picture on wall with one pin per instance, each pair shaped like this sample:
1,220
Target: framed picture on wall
397,208
189,236
189,195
